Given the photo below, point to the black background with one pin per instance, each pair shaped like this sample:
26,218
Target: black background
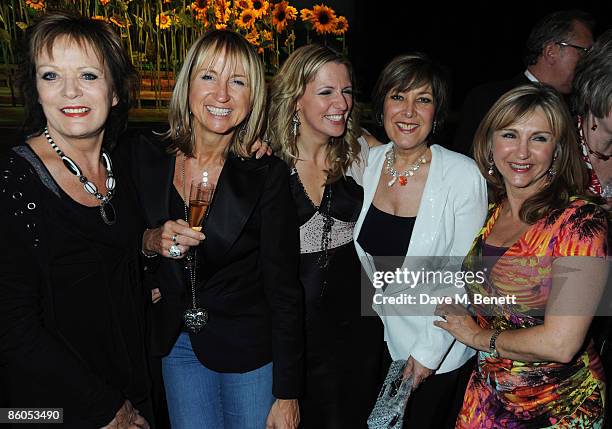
477,41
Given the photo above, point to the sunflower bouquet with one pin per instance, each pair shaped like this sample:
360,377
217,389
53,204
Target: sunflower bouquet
158,33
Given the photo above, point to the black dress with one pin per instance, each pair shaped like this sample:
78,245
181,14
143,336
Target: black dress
71,301
343,349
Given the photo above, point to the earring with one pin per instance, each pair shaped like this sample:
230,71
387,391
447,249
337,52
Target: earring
594,127
491,165
379,119
433,130
296,123
242,132
552,170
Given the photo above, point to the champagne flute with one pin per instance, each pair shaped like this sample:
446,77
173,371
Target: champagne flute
200,196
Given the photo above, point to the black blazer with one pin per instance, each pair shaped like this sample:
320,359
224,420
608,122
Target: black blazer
476,105
248,277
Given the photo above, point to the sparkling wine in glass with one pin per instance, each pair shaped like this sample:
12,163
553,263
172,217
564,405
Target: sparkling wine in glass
200,196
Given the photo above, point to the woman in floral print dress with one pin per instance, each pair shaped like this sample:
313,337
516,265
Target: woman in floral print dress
545,247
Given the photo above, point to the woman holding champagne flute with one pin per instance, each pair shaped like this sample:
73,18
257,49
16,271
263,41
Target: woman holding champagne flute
227,320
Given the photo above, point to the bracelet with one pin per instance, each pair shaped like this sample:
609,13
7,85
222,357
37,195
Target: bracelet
149,256
492,346
145,254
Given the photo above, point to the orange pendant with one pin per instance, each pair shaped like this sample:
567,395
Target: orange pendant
403,180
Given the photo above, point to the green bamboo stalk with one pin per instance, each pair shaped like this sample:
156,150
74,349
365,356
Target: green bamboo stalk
167,58
24,11
179,55
175,52
158,60
129,38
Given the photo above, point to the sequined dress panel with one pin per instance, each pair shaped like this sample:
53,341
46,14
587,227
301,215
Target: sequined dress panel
337,384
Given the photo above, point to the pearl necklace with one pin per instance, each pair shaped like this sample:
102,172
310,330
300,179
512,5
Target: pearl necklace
396,175
107,211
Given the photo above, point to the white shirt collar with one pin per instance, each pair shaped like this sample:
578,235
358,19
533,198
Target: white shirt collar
530,76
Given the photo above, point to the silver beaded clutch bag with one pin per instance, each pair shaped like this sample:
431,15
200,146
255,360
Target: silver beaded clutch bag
388,412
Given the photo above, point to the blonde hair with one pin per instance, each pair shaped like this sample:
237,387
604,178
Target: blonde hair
203,53
286,88
570,178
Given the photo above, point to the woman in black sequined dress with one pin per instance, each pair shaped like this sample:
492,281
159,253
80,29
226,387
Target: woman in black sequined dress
313,127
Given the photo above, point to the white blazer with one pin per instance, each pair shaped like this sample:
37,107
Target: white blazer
452,211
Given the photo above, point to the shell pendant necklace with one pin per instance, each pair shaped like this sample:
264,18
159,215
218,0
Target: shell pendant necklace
396,176
107,211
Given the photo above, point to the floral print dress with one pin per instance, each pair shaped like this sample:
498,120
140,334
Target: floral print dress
505,393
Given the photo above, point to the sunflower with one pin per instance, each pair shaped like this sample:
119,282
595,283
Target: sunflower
282,14
246,19
203,18
104,2
244,4
222,13
323,19
260,7
306,14
220,26
342,26
266,36
253,37
35,4
199,6
163,21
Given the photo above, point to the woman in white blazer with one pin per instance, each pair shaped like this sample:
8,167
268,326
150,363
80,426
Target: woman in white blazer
422,203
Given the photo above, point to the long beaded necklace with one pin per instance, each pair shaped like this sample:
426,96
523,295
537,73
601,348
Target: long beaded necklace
195,317
396,176
323,259
107,211
324,208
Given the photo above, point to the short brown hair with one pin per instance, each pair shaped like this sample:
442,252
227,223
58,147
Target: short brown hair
411,71
570,178
204,52
86,33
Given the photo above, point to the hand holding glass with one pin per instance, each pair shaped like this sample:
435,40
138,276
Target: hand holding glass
200,196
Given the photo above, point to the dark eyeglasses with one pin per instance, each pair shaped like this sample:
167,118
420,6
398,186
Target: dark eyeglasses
580,48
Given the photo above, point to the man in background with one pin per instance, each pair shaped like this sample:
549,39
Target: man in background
553,48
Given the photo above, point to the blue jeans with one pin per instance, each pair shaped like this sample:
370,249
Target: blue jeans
200,398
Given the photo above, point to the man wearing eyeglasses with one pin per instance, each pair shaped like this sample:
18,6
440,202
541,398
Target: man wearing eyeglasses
553,48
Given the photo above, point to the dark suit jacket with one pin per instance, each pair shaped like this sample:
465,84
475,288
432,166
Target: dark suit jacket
248,275
476,105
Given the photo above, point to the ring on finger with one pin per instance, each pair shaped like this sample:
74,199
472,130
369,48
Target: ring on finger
174,251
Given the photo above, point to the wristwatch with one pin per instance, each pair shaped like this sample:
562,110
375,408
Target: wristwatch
492,347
